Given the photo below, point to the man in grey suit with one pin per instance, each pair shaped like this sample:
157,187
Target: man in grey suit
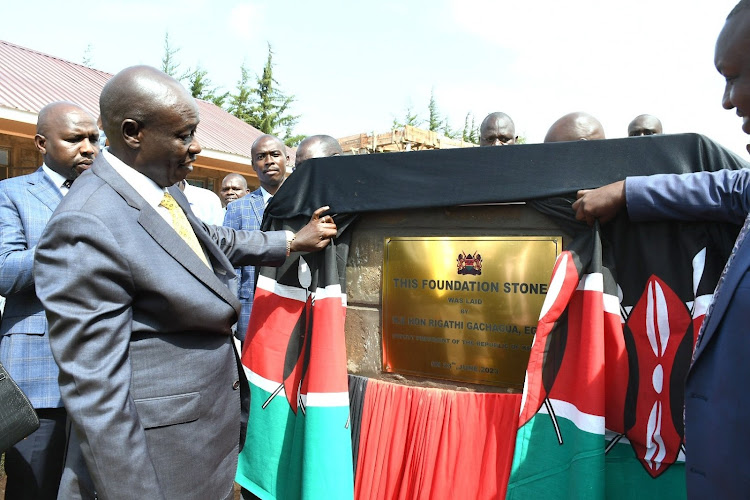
135,289
67,137
269,162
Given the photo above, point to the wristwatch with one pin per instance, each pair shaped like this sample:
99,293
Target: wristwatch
289,239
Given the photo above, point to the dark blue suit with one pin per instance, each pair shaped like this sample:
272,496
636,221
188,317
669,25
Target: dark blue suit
717,404
246,213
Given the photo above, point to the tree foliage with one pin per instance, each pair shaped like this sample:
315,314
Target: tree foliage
471,129
263,105
200,87
269,111
240,103
449,131
410,118
434,122
87,56
169,64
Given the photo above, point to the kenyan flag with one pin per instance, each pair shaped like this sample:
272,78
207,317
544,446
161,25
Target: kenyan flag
601,414
298,438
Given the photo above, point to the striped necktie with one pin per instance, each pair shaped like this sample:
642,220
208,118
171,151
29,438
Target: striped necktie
182,226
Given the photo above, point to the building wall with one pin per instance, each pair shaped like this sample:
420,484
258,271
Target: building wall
211,179
23,157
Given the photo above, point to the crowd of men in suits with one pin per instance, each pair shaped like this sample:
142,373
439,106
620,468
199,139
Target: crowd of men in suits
68,139
114,285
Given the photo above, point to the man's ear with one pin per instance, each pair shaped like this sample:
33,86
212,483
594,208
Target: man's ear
41,143
132,132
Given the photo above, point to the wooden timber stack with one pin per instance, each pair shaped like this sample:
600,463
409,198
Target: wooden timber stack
407,138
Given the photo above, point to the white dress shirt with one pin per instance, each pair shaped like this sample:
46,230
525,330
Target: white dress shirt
57,179
205,204
144,186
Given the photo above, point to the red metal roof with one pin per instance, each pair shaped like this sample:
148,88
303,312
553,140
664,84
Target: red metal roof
29,80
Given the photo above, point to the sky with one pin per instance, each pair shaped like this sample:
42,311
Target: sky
355,66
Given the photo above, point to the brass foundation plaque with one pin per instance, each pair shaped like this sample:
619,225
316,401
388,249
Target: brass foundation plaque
464,309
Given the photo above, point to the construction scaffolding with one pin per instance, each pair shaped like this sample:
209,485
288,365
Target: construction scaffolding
407,138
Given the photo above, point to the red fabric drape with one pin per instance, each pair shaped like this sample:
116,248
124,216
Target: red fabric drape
421,443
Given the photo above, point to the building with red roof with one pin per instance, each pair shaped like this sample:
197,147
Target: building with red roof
29,80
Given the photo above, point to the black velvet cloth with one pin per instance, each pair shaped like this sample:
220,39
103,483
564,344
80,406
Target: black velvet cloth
448,177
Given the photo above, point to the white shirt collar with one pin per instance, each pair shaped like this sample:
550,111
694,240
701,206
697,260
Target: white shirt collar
147,188
266,196
56,178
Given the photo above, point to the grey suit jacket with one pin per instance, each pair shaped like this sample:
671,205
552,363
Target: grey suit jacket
141,330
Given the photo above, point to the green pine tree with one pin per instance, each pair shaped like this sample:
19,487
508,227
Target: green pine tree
449,131
471,131
200,87
168,63
269,112
434,122
87,56
474,133
466,131
410,118
240,104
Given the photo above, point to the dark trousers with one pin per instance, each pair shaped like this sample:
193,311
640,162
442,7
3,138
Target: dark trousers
34,465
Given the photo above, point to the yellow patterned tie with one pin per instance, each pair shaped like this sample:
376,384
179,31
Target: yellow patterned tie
182,226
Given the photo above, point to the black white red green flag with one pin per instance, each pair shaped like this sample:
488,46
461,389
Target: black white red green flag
602,410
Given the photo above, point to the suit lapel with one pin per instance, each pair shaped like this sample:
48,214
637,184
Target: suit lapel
740,265
258,205
42,188
162,232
